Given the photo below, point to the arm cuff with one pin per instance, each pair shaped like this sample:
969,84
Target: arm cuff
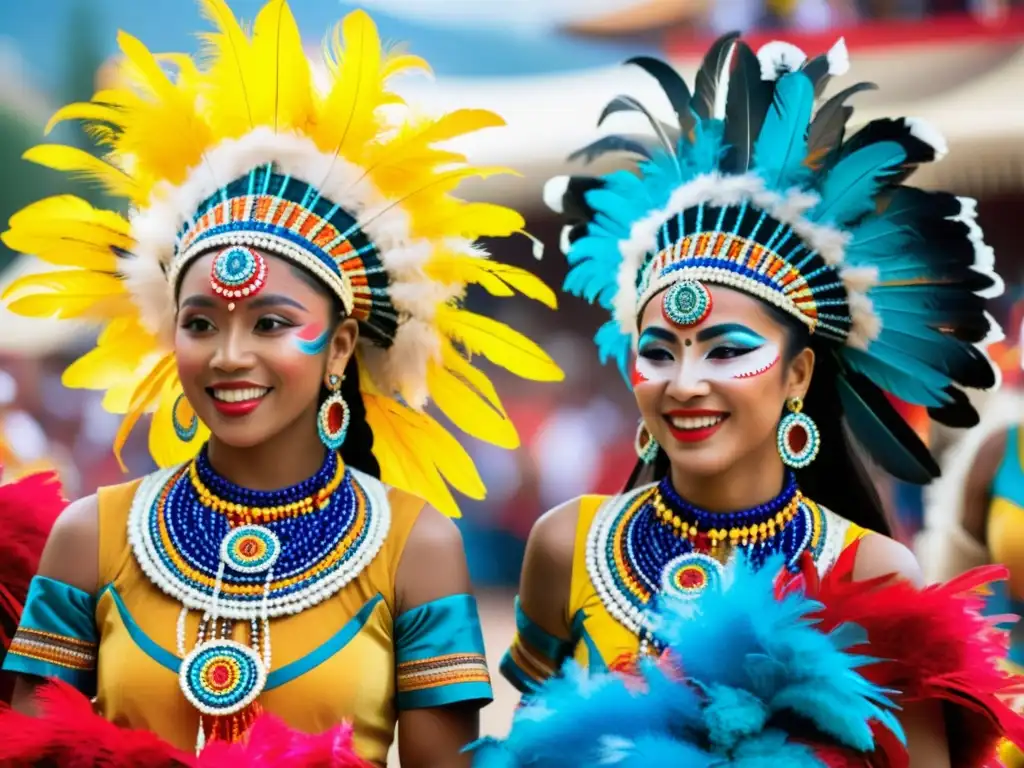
57,635
439,650
535,654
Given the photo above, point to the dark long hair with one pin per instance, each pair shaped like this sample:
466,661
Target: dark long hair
837,478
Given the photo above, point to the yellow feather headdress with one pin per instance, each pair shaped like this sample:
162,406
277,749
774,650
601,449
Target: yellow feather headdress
242,147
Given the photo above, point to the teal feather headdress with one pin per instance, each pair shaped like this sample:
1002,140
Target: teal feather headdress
753,188
751,682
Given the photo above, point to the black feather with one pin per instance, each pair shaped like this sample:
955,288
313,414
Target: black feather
746,105
709,74
828,127
574,201
637,145
897,130
959,414
878,427
675,89
817,70
629,104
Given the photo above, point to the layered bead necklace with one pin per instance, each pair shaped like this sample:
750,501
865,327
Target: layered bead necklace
653,542
239,555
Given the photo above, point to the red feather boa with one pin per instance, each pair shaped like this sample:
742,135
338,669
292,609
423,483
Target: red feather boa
67,733
932,643
28,510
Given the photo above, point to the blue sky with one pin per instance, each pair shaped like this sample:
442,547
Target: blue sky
484,38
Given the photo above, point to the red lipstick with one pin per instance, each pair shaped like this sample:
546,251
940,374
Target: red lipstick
241,407
698,434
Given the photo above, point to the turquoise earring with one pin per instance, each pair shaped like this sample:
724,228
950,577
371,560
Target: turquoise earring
798,437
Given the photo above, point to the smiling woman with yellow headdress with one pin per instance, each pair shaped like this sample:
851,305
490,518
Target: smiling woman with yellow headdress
284,297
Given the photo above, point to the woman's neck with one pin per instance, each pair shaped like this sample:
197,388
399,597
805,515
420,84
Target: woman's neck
744,485
283,461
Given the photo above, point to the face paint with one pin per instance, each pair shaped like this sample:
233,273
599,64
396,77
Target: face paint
312,339
724,353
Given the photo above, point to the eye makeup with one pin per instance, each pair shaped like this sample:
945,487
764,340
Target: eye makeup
727,352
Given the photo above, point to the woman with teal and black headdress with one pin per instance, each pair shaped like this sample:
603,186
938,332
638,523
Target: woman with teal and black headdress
771,279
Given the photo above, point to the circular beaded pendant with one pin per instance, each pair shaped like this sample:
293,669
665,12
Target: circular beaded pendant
689,575
238,272
250,549
686,303
222,677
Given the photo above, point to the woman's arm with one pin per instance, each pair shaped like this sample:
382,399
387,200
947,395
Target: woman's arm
71,556
433,567
923,722
978,488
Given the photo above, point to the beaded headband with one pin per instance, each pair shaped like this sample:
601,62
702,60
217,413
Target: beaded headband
752,188
243,154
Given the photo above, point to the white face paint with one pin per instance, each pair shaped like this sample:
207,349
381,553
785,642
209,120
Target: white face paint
721,353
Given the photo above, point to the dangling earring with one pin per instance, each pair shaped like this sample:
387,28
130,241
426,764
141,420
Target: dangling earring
333,418
798,436
645,444
182,407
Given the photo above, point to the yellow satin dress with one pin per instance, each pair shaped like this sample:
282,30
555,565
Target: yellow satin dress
347,658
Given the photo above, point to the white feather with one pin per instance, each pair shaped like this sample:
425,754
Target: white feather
722,91
779,57
554,190
929,134
838,59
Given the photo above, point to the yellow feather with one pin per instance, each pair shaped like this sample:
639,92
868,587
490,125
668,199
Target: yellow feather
496,278
143,399
470,220
84,111
78,161
115,358
228,52
499,344
397,61
283,88
165,447
418,135
468,409
72,293
348,113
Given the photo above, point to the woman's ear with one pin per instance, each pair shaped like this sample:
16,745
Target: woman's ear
343,344
801,369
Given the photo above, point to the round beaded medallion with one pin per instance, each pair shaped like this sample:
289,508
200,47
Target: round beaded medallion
222,677
250,549
238,272
689,575
686,303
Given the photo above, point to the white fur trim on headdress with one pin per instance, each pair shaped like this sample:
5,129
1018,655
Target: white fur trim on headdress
779,57
414,295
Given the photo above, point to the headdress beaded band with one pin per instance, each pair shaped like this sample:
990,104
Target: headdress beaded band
757,186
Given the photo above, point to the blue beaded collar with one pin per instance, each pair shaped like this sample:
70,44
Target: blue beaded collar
177,539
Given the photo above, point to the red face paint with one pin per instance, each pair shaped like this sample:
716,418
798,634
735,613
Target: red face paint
637,378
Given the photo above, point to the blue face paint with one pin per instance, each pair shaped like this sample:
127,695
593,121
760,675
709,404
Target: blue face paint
315,345
652,336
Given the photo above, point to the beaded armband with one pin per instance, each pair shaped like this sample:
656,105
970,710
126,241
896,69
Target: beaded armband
57,635
534,656
439,649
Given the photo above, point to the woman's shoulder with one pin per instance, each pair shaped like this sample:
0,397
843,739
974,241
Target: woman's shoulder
876,553
72,548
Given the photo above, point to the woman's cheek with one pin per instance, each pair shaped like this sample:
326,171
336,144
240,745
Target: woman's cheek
646,371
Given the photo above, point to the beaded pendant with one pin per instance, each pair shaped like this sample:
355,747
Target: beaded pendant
686,303
237,555
238,272
651,542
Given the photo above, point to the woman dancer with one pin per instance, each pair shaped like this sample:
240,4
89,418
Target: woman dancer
285,297
774,277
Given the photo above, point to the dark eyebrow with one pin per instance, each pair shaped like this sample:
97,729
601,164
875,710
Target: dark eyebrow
714,331
659,333
198,300
274,299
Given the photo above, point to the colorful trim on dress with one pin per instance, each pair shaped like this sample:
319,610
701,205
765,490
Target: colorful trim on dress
440,671
51,648
176,539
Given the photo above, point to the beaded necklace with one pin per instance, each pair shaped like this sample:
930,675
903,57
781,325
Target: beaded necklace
652,542
239,555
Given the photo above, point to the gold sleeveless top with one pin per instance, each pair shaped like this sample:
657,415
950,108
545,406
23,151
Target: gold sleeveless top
600,632
347,658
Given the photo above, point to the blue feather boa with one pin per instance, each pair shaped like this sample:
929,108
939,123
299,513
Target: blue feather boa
755,668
